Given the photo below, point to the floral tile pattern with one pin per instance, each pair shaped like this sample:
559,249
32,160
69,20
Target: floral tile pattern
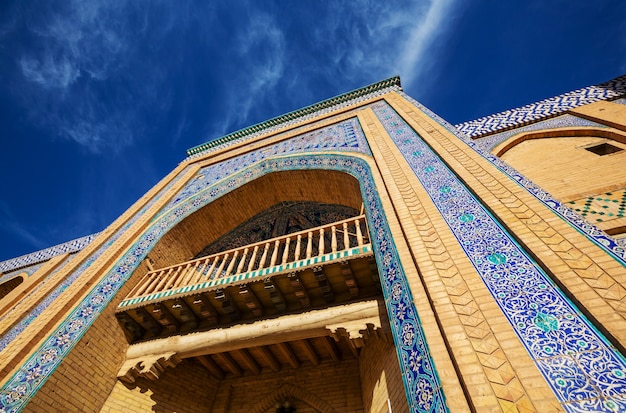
422,384
576,360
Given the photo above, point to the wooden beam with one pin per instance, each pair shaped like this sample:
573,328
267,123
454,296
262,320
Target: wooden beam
249,361
288,353
331,347
269,358
309,352
252,301
348,278
204,307
324,285
352,318
276,296
211,366
231,364
300,291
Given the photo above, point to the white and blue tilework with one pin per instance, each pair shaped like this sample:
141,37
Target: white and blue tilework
544,109
422,384
583,369
28,318
343,136
45,254
615,248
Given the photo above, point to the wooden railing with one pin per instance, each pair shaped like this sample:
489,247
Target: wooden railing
335,237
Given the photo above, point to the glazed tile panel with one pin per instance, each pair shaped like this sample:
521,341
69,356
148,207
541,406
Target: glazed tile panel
546,108
296,121
45,254
616,248
585,372
344,136
422,384
49,299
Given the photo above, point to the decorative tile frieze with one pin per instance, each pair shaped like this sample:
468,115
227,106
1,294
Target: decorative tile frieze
45,254
422,384
576,360
343,136
546,108
24,321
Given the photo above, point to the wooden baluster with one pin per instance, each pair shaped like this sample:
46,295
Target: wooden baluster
309,245
320,248
149,279
196,272
286,251
333,239
359,236
275,253
184,278
229,270
243,260
209,273
173,278
346,236
253,258
218,274
297,251
164,281
264,256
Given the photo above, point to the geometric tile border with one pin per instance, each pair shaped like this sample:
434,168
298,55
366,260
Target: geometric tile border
605,206
616,249
583,369
47,253
28,318
422,385
545,108
343,136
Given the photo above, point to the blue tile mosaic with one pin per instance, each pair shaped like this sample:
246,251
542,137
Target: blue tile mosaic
45,254
487,143
577,362
297,120
543,109
616,248
22,323
344,136
422,384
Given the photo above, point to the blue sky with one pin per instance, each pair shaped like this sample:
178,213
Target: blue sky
100,99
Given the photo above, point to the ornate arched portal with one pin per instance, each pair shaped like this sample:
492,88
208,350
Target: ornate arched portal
421,382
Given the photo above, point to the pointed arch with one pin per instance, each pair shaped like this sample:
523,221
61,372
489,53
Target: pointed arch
290,391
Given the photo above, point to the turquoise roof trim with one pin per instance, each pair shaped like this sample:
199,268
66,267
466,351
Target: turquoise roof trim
374,87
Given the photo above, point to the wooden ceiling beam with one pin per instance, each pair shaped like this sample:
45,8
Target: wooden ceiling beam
309,352
249,361
230,364
288,353
211,366
269,358
332,349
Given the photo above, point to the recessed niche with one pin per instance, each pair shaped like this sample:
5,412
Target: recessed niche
604,149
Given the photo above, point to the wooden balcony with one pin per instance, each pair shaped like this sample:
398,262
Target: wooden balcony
311,269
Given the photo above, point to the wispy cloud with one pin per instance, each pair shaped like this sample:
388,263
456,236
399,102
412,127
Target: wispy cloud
11,224
260,54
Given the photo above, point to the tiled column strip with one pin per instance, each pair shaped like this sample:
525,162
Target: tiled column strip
69,293
583,369
594,278
453,284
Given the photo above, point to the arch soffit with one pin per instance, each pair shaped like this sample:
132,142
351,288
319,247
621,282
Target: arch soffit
572,132
288,390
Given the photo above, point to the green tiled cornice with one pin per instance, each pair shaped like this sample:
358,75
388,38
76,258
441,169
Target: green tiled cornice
374,87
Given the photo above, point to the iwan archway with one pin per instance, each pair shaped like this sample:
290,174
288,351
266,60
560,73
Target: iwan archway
295,309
